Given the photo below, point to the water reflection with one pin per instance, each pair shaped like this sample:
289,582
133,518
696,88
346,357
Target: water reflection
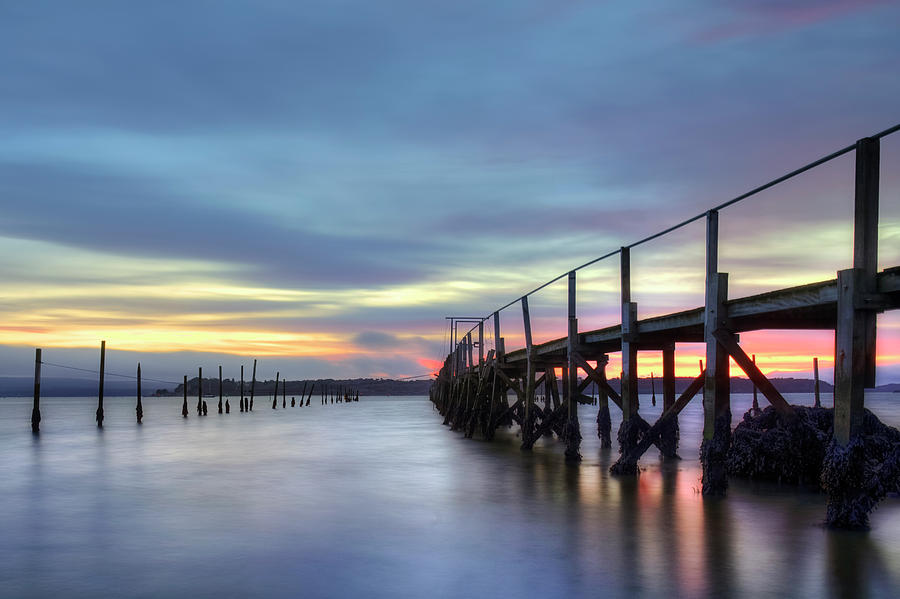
379,500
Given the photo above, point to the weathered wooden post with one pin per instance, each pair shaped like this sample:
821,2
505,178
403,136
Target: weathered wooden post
242,387
604,423
252,387
755,398
669,435
139,409
652,389
283,392
818,403
630,429
716,392
528,421
572,429
100,391
220,388
200,392
36,408
184,407
481,343
275,395
854,355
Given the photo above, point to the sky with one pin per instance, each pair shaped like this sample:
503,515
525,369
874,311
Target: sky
318,184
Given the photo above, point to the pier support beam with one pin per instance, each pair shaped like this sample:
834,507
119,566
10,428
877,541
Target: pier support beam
716,392
844,473
604,423
670,432
527,423
633,426
572,430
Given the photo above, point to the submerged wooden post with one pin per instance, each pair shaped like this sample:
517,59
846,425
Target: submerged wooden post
242,387
200,391
818,403
36,408
716,392
652,389
572,430
275,395
528,420
854,360
184,407
220,388
252,387
283,392
629,382
100,391
139,409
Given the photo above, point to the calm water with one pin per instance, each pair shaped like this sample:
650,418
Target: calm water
377,499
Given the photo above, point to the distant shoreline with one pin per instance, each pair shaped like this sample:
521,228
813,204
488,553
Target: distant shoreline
76,387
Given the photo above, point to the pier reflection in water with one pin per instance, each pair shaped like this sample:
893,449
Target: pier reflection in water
380,500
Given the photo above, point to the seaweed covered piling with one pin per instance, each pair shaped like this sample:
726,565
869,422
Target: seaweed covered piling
858,475
604,426
714,457
768,446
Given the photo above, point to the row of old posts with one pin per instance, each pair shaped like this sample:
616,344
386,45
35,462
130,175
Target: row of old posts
335,393
471,389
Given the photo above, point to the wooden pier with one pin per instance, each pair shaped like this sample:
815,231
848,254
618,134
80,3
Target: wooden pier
471,388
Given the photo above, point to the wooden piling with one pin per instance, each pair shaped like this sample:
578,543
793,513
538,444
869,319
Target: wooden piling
668,386
818,402
242,387
716,392
755,390
139,409
184,406
572,429
629,380
220,388
200,391
99,416
854,360
283,392
252,386
527,425
36,408
275,394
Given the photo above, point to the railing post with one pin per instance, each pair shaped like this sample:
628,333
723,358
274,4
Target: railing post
573,433
716,392
481,343
527,424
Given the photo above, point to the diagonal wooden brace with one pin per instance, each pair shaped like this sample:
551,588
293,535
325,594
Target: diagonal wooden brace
510,383
765,386
595,376
651,437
